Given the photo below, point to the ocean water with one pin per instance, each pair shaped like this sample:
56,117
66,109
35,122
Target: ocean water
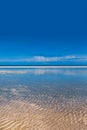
43,99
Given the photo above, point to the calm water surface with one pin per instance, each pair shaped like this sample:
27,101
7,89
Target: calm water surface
44,84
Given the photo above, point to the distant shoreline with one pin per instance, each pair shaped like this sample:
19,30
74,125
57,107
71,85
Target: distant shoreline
39,66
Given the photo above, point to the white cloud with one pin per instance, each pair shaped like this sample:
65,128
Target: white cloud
69,57
47,59
43,59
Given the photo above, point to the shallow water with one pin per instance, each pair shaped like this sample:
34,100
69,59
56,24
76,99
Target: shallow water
43,99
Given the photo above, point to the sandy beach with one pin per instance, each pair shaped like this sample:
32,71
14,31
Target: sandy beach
21,115
43,99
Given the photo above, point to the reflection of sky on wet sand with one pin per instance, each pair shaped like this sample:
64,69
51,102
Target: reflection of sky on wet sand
46,93
44,71
44,85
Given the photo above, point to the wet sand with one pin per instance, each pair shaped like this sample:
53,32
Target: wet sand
23,115
49,99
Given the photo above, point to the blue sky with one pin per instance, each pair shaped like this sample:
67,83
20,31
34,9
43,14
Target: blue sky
43,32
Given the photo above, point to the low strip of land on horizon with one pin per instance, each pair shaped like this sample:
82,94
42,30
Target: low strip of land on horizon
39,66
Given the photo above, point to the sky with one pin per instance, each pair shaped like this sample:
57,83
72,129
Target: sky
43,32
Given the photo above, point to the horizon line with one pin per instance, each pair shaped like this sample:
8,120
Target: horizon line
42,66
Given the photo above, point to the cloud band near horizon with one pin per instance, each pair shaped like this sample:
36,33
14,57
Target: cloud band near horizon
47,59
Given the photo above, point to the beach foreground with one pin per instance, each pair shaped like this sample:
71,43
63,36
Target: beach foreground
21,115
43,99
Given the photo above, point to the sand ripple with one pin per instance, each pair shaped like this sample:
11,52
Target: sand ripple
23,115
